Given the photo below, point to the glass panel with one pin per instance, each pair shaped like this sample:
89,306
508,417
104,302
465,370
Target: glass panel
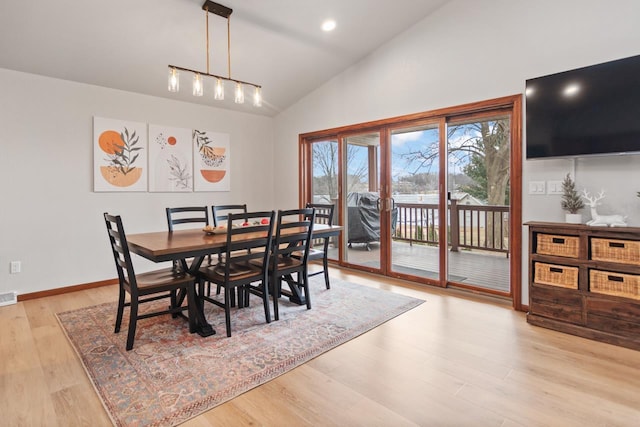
362,178
414,188
478,182
324,185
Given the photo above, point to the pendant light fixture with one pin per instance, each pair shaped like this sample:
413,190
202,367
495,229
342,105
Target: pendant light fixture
198,76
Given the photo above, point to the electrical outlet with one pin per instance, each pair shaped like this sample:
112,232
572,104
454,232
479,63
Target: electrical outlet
16,267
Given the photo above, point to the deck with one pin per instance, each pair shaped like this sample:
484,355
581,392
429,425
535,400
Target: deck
483,269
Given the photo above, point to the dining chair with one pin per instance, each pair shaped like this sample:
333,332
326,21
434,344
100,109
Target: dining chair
293,236
244,245
188,215
324,215
220,213
145,287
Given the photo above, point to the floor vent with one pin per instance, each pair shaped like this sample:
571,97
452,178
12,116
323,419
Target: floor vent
8,298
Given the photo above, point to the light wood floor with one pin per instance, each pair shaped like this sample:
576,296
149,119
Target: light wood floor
456,360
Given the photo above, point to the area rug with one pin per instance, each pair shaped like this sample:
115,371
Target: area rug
171,375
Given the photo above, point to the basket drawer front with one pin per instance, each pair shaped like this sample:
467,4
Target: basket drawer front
617,284
558,245
556,275
621,251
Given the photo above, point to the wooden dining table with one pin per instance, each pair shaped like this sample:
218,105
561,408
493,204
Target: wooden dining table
196,244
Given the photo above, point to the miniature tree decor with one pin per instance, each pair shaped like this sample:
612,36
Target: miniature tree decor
571,200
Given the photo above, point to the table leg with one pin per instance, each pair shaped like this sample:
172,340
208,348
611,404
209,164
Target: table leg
197,321
295,296
203,328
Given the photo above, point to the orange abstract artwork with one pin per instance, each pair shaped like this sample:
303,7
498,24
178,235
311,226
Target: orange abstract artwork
211,151
118,160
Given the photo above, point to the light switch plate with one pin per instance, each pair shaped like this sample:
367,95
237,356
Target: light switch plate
536,187
554,187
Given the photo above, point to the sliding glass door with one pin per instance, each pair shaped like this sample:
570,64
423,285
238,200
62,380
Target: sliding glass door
324,182
415,201
361,204
478,184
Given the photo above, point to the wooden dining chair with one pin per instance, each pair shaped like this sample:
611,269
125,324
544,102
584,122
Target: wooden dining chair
220,213
190,215
324,215
293,236
244,246
145,287
187,215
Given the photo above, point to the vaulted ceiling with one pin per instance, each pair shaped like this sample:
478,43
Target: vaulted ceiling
127,44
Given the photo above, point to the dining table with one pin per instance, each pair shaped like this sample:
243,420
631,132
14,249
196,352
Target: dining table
196,244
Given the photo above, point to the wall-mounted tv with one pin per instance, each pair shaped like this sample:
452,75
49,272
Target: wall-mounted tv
593,110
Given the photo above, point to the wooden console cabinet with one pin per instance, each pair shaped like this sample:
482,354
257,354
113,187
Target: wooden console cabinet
585,281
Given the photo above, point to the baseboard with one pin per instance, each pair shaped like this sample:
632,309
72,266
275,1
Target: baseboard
66,289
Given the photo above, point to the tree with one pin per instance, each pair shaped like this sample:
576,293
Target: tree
571,200
325,169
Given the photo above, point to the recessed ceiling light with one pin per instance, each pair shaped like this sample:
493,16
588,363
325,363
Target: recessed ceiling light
328,25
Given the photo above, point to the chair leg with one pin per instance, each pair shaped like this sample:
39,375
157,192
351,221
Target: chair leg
265,301
120,310
227,309
277,283
174,302
305,284
325,263
133,319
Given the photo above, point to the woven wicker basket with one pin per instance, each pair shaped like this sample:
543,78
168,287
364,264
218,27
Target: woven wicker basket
622,251
618,284
552,244
556,275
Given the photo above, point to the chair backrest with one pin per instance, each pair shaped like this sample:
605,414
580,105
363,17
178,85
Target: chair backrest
324,212
293,233
248,243
121,255
220,213
187,215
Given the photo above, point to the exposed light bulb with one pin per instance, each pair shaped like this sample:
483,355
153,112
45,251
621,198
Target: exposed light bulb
219,90
174,80
197,85
257,97
239,94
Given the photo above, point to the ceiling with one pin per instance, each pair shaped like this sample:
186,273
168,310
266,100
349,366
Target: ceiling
127,44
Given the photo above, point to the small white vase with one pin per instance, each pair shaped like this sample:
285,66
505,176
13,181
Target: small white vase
573,218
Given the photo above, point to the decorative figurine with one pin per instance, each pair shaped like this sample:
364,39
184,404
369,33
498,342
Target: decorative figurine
602,220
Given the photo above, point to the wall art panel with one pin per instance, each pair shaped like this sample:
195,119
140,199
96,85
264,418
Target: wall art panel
119,155
170,159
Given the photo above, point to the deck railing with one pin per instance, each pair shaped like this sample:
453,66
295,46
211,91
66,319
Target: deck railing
470,226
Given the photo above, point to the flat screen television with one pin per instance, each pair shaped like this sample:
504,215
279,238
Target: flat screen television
593,110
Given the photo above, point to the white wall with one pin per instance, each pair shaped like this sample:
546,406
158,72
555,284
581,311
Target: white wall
469,51
51,220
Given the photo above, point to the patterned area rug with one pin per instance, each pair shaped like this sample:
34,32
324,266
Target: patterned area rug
171,376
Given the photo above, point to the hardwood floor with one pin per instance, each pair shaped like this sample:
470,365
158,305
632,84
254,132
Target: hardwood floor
457,360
